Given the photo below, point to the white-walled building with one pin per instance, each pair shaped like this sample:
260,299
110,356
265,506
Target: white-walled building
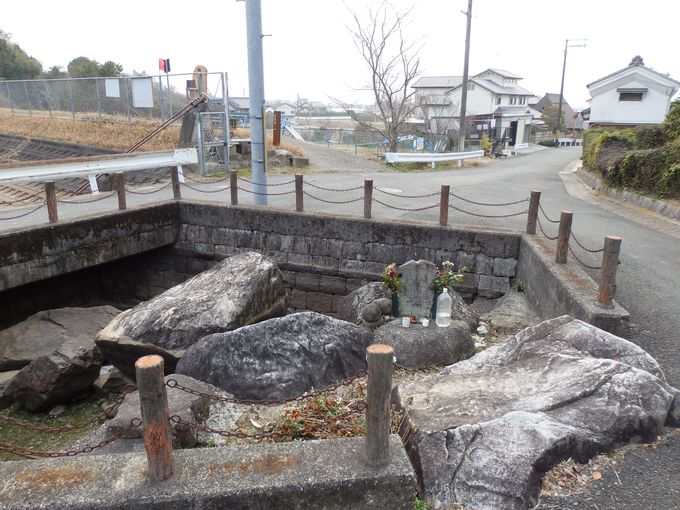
631,96
495,102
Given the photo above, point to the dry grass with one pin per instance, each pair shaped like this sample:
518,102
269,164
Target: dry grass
245,133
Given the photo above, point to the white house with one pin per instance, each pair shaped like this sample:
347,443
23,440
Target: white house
495,103
286,109
631,96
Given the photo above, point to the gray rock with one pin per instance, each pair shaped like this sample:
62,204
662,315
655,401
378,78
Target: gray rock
350,307
504,267
279,358
190,408
372,313
418,347
5,378
484,264
462,312
416,295
58,377
513,312
493,286
240,290
111,380
485,430
44,332
385,305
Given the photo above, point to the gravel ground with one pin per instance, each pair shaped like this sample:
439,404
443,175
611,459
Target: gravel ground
323,158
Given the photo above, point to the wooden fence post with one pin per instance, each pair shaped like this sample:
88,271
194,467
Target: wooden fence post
277,129
532,217
444,205
51,199
153,402
380,360
120,188
610,262
368,197
233,186
563,237
174,177
299,199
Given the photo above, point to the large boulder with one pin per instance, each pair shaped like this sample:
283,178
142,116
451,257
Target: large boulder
58,377
238,291
462,312
44,332
484,431
418,347
5,379
279,358
351,306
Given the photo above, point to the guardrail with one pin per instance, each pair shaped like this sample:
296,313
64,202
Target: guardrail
409,157
90,168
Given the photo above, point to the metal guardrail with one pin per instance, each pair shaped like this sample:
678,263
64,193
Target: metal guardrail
90,169
407,157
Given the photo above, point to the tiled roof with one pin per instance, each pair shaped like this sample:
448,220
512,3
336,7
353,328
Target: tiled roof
633,66
438,82
503,73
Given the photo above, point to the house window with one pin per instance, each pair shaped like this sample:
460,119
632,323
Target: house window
498,100
630,96
522,100
471,86
513,99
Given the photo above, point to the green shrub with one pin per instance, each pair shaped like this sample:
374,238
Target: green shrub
671,125
547,143
604,147
649,137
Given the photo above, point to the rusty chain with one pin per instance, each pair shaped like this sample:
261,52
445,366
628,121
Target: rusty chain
267,194
573,236
338,190
409,209
148,192
27,452
24,214
487,215
540,208
172,383
399,195
86,201
334,201
488,204
66,428
540,226
205,190
581,262
268,184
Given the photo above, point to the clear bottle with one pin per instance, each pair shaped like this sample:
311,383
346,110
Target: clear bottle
443,318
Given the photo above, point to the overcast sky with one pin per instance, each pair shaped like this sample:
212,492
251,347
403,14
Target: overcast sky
311,53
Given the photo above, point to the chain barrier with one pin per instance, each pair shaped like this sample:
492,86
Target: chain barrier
86,201
488,204
172,383
292,181
581,262
148,192
26,452
338,190
540,208
267,194
408,209
334,201
488,215
573,236
211,181
538,220
206,190
24,214
399,195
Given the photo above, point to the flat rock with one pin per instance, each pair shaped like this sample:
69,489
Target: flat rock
512,312
418,347
44,332
416,296
238,291
461,311
58,377
485,430
279,358
350,307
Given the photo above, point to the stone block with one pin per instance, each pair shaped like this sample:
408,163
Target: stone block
297,299
301,245
334,248
298,258
318,302
352,265
469,284
464,259
484,264
307,281
504,267
333,285
352,249
317,246
374,267
493,286
298,162
273,241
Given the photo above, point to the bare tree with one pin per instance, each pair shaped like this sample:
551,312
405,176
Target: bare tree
393,64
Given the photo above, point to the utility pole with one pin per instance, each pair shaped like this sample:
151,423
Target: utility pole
576,43
256,86
463,98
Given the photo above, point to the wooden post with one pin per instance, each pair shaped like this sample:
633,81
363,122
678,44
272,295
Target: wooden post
563,237
153,402
368,197
233,186
174,176
51,198
299,202
277,129
610,262
444,206
532,217
120,188
378,400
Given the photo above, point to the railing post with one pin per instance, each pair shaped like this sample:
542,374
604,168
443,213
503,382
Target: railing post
380,360
51,199
532,217
563,237
233,186
610,262
174,176
153,402
444,206
120,188
299,203
368,197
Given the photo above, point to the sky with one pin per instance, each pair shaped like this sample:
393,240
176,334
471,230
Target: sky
309,51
